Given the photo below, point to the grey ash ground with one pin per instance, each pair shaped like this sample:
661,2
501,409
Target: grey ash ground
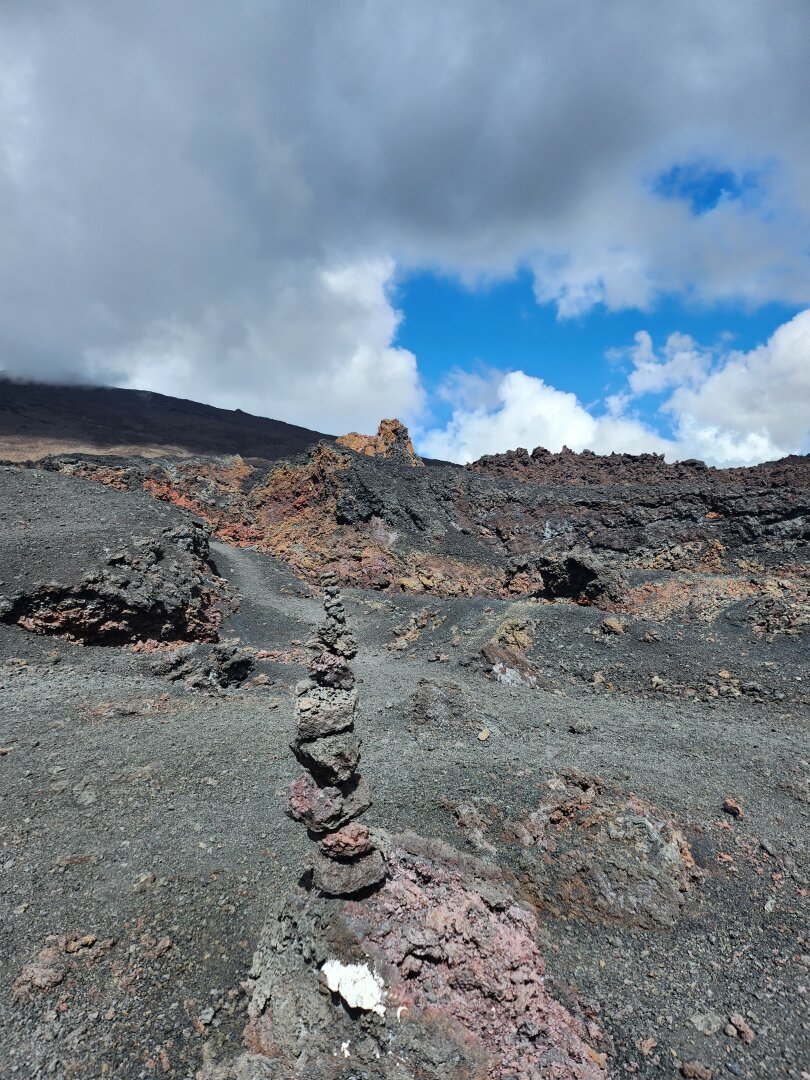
141,812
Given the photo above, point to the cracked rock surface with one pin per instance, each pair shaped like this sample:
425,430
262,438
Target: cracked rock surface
463,983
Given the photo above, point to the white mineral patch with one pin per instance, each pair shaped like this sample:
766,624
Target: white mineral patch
359,987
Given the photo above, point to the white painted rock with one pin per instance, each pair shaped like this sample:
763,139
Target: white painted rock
359,987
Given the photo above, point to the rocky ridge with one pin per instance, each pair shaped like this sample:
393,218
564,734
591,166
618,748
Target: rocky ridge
160,585
548,526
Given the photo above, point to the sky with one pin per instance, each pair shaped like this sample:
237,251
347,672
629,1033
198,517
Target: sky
527,223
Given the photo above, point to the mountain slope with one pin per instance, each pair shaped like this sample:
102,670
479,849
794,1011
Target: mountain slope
37,419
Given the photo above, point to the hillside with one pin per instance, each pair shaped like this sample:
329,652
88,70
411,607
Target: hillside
38,419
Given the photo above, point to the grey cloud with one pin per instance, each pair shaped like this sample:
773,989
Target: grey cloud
167,170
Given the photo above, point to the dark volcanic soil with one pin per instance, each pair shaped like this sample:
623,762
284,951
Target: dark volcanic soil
38,419
144,840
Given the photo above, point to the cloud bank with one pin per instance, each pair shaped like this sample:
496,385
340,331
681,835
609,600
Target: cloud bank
729,408
216,201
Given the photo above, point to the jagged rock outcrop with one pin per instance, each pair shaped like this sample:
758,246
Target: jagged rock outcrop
554,526
444,981
159,588
333,795
391,441
572,469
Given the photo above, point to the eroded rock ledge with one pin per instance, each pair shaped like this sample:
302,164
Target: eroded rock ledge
158,588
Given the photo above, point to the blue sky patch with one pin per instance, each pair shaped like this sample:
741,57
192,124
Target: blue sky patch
448,325
704,186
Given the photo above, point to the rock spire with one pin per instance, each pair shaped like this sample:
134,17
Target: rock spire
332,795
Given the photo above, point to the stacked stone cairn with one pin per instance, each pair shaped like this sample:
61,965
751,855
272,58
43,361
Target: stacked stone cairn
332,795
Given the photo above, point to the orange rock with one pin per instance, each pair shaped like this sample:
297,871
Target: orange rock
349,842
733,808
392,436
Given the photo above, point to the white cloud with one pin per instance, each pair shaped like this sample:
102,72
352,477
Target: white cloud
751,406
683,363
315,350
625,248
731,409
528,412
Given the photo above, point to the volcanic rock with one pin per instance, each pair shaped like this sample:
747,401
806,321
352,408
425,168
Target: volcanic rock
392,440
337,877
160,586
580,575
509,666
332,759
204,668
561,526
336,639
327,807
348,842
325,712
595,853
464,995
329,670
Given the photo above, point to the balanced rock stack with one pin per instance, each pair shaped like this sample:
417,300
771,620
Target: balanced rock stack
333,794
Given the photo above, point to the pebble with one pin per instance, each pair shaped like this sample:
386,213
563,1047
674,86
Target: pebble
708,1023
696,1070
580,727
144,882
733,808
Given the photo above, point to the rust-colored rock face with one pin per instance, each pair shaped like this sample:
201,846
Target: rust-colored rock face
466,944
554,526
392,439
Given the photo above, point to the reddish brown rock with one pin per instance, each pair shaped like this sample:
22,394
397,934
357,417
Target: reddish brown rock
509,666
392,440
733,808
44,972
329,670
459,943
696,1070
349,842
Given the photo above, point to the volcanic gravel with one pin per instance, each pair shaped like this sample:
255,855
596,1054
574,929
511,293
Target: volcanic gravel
144,840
